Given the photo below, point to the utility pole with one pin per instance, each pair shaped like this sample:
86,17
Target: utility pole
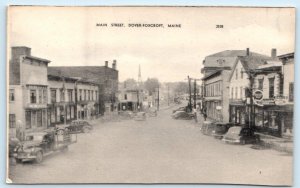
190,94
158,98
168,95
195,93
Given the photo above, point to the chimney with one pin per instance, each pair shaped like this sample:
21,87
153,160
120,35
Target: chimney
106,63
18,51
274,53
114,65
247,52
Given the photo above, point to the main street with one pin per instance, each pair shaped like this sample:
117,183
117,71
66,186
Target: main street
158,150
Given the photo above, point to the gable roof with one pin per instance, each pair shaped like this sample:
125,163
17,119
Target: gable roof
229,58
249,63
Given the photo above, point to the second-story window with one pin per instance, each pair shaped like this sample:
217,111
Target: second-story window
40,96
33,96
236,92
89,95
62,95
242,74
271,87
84,95
11,95
241,92
53,95
125,97
70,95
231,93
236,74
291,92
260,84
44,95
96,95
80,95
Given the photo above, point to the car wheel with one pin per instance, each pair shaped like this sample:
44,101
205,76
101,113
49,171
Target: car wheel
243,141
85,130
39,157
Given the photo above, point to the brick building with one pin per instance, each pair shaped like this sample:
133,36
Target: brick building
107,78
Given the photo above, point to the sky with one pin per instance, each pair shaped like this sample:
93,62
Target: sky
68,36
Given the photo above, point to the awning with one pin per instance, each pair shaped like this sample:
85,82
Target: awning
280,108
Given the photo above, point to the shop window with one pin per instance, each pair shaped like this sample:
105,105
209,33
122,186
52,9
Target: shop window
28,119
12,120
39,118
11,95
291,92
271,87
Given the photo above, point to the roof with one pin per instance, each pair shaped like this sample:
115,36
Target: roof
37,58
215,73
250,63
78,80
96,74
288,55
229,58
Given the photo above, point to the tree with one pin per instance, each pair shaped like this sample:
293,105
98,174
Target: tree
151,84
181,87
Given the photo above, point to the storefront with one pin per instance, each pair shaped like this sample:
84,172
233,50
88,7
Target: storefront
274,120
238,112
214,110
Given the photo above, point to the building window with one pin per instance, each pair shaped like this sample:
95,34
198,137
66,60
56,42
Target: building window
33,96
260,84
44,96
89,95
291,92
236,74
241,92
62,95
12,121
28,119
84,95
11,95
92,94
70,95
125,97
236,92
53,95
242,74
39,118
40,96
231,93
96,95
80,95
281,85
271,87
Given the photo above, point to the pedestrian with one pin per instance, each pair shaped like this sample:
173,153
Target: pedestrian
195,114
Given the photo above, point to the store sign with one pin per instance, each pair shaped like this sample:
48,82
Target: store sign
265,102
258,95
281,100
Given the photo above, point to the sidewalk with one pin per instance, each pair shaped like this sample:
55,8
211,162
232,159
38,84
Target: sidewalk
276,143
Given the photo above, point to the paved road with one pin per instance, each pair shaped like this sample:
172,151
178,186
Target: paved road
159,150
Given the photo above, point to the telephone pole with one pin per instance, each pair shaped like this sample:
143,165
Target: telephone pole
190,94
195,93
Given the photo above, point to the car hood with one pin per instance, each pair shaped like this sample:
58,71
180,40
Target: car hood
232,136
28,144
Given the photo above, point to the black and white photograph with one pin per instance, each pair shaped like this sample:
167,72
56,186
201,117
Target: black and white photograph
150,95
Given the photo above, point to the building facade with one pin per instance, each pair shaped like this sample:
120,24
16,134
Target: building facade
28,92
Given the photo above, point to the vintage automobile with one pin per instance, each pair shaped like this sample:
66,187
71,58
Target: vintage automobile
182,108
140,116
74,127
37,145
241,135
220,129
152,112
183,115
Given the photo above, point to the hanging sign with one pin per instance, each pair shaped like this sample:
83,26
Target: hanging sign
258,95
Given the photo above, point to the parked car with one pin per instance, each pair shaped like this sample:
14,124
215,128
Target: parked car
183,115
152,112
140,116
75,127
12,144
241,135
219,129
39,144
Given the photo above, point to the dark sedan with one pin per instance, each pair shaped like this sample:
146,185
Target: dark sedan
183,115
241,135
